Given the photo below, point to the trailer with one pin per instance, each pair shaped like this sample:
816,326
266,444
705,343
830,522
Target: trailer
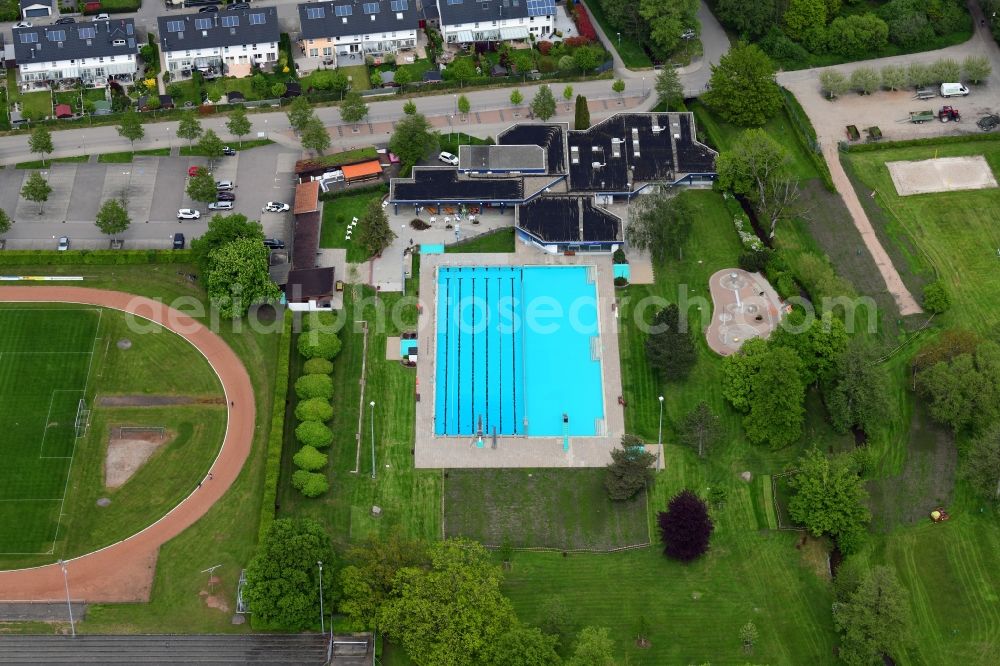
852,133
873,134
948,114
919,117
925,94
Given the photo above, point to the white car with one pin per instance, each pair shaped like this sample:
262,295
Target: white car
23,24
448,158
101,17
275,207
63,243
221,205
224,185
188,214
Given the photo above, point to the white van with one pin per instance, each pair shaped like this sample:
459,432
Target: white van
953,90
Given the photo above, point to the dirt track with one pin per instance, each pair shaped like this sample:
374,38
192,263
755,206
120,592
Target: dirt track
124,571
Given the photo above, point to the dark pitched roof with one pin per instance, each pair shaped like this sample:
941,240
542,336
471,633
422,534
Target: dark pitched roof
443,184
182,32
339,18
31,3
549,137
560,219
309,283
477,11
306,245
74,41
430,11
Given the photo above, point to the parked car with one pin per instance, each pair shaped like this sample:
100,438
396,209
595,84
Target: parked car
238,5
688,33
101,17
274,243
178,241
221,205
23,24
228,151
65,20
188,214
63,243
224,185
275,207
209,9
448,158
225,196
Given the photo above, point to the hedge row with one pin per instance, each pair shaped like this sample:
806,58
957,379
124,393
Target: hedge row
929,141
806,133
94,257
272,467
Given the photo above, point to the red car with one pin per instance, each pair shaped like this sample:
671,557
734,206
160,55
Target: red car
193,171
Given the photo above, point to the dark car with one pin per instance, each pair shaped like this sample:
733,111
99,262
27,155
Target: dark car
225,196
274,243
201,3
178,241
238,5
210,9
226,150
65,20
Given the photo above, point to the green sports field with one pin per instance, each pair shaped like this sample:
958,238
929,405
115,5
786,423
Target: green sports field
45,359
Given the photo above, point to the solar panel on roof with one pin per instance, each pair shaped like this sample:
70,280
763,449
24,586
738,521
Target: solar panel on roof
131,42
454,2
371,8
343,10
129,28
29,37
202,23
172,26
398,5
315,12
57,35
257,19
230,21
87,33
541,7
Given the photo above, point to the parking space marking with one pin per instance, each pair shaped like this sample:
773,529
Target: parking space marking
60,177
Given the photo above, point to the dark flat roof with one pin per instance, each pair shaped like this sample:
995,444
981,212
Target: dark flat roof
549,137
444,184
501,158
568,219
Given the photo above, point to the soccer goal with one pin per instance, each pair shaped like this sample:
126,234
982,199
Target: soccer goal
82,419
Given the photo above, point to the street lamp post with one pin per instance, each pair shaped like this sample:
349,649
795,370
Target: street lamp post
659,434
69,606
372,405
322,621
644,87
619,41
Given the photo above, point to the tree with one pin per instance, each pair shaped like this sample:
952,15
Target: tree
309,459
131,127
315,137
875,618
452,612
669,347
936,299
738,371
409,108
759,168
742,87
414,139
353,109
964,391
946,70
752,18
282,579
376,79
367,579
834,83
700,429
587,58
778,394
748,636
685,527
669,90
40,142
239,124
857,36
618,86
463,105
594,647
375,232
567,95
112,219
817,344
865,80
919,74
543,105
667,19
894,77
310,484
828,497
238,277
314,386
981,467
660,224
555,617
189,127
523,646
5,222
314,433
221,230
857,392
403,76
314,409
805,21
629,470
299,113
461,70
36,189
566,64
977,68
516,98
319,344
210,145
201,187
582,114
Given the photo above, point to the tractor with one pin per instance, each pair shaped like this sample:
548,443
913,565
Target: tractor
949,114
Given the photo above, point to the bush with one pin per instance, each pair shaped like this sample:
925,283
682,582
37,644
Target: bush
419,224
936,298
314,386
310,484
583,24
319,344
314,409
544,47
314,434
754,262
94,257
621,281
317,366
309,459
619,257
685,527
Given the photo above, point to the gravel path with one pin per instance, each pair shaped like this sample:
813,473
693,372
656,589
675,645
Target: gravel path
124,571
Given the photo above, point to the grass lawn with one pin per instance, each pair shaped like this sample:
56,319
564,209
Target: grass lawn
541,508
128,156
358,76
415,69
630,50
222,86
39,164
450,141
195,151
501,240
337,215
36,104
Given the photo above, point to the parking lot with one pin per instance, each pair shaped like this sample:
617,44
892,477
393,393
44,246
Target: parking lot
154,188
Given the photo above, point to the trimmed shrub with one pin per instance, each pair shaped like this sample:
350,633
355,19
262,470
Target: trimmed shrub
314,434
314,386
319,344
272,468
309,459
936,298
317,366
314,409
310,484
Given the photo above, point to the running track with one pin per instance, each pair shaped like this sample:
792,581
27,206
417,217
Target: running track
124,571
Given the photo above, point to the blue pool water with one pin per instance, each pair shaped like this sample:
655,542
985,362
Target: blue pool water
515,351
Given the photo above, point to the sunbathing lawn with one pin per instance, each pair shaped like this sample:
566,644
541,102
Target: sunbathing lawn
337,215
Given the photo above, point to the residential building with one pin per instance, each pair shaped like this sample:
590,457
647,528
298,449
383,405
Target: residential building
92,52
347,27
468,21
229,43
36,8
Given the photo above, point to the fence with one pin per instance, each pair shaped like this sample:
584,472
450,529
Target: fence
82,419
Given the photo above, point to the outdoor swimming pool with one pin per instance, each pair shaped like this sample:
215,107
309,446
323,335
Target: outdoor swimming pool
518,348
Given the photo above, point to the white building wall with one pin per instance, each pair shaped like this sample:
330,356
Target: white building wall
92,70
539,26
242,54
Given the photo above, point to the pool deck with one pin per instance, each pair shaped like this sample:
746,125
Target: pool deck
450,452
